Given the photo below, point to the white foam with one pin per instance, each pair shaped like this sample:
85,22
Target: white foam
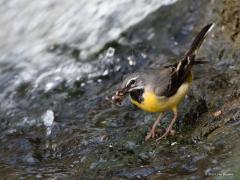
48,118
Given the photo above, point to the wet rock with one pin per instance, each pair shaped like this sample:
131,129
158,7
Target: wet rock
130,146
137,173
146,157
91,137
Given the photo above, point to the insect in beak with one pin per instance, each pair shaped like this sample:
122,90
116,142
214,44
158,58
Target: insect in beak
120,95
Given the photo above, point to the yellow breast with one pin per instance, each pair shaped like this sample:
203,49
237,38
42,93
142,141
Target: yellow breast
153,103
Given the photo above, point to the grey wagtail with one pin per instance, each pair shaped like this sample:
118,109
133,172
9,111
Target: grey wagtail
159,90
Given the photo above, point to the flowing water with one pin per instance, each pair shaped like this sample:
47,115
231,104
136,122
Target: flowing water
60,63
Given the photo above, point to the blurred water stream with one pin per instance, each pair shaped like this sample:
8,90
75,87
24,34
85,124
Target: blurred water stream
60,61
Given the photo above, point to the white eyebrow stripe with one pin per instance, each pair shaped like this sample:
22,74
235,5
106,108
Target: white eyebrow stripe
131,80
139,87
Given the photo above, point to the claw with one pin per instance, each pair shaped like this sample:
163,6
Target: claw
164,135
151,134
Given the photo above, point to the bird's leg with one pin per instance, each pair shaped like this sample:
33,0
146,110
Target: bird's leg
168,130
152,132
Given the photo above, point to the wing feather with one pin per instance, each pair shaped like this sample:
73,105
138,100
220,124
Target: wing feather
175,75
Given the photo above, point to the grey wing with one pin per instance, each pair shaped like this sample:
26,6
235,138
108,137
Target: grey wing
166,83
176,74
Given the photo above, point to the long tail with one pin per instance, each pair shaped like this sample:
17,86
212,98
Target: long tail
181,69
189,59
184,66
191,53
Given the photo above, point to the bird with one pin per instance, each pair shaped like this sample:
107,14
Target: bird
163,89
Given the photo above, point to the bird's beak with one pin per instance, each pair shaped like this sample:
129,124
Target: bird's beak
120,95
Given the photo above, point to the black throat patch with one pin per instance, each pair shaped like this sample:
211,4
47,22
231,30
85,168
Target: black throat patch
137,95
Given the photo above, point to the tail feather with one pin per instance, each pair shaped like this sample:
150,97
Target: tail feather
181,69
198,40
189,59
184,66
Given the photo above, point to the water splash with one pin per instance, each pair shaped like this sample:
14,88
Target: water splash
48,118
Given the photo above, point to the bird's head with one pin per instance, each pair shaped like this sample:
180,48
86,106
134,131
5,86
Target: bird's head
131,83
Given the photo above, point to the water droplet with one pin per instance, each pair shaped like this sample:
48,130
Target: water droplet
49,86
131,61
144,55
110,52
106,72
83,84
48,118
117,68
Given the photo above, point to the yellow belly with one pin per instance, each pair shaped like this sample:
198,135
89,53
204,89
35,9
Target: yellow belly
152,103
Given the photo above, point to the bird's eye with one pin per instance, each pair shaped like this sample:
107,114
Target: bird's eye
132,82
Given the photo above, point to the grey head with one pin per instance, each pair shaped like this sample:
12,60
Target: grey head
133,82
148,78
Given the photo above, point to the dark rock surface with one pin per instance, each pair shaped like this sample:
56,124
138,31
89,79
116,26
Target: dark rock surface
53,126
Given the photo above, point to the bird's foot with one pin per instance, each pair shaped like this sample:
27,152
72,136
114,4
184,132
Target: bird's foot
167,132
151,134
